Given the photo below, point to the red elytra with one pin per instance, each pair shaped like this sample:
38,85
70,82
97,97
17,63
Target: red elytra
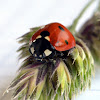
58,35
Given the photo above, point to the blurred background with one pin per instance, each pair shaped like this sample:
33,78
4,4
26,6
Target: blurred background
16,19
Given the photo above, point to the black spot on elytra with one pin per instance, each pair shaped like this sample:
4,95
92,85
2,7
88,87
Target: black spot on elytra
44,33
66,41
61,28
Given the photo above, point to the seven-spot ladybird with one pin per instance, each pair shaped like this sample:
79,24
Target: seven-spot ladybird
50,38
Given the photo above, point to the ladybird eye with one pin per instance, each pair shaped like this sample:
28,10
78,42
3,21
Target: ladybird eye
45,33
47,38
66,41
38,37
61,28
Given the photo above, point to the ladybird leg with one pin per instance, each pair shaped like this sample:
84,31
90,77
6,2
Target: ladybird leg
53,53
56,53
62,54
70,51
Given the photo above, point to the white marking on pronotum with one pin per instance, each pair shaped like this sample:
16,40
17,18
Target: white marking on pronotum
47,52
32,50
47,38
34,40
38,37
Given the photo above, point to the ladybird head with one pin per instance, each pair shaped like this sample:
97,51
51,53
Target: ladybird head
41,47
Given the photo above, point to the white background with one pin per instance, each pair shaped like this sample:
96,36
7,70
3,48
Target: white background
17,16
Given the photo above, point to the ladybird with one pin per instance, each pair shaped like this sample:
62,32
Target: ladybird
50,39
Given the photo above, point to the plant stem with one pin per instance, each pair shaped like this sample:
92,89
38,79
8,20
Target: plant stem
72,28
98,9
